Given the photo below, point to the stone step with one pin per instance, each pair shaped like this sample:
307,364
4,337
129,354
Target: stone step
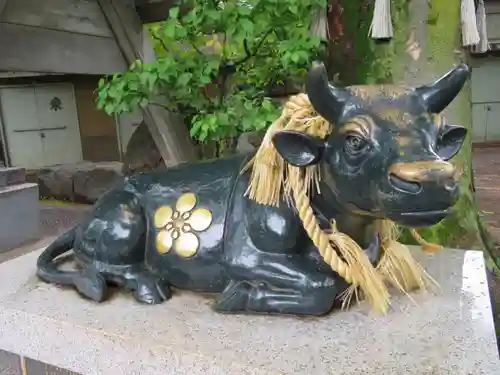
20,215
12,176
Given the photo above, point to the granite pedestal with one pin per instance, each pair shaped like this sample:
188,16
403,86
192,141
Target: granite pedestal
449,332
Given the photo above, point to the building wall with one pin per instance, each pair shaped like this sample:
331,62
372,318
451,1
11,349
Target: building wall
485,83
3,160
40,124
493,21
98,131
485,99
99,134
127,125
57,36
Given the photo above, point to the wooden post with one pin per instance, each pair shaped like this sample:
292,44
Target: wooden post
3,3
170,134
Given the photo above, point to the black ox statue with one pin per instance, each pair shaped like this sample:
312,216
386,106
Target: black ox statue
305,221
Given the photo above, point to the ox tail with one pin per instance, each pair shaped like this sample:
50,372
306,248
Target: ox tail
47,269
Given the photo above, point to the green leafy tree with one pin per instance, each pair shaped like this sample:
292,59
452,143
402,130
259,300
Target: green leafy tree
216,61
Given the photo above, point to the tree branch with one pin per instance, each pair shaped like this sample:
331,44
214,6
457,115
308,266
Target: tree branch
190,38
160,105
195,47
249,54
159,40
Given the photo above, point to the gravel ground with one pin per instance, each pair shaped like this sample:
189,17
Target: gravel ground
56,219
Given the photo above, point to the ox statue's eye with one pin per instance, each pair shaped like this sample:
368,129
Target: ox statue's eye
354,144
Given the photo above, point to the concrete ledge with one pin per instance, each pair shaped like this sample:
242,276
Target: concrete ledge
12,176
19,215
448,333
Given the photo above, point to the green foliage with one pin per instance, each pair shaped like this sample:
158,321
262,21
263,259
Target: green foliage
216,62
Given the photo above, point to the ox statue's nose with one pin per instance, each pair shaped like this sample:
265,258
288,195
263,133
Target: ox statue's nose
410,177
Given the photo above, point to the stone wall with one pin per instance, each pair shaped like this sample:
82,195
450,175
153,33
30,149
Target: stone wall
80,183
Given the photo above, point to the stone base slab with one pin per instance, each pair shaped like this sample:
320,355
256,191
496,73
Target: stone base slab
449,333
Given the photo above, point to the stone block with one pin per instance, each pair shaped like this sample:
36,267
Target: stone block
448,332
13,364
10,364
12,176
20,215
83,182
55,183
32,367
91,184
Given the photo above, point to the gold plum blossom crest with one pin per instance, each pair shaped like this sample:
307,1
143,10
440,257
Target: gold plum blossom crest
177,226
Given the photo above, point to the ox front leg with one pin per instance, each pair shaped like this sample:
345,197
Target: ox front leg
267,260
292,285
249,297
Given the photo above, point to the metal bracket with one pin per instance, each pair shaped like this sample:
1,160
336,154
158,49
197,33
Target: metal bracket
39,129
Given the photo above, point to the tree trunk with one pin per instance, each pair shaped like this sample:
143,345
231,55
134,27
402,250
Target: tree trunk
429,46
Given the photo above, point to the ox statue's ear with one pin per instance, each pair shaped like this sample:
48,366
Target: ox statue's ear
439,94
298,149
450,141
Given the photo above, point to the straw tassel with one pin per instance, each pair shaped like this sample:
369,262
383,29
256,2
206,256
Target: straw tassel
470,35
319,25
381,27
483,45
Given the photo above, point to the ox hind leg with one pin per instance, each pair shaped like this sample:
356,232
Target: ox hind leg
111,246
145,287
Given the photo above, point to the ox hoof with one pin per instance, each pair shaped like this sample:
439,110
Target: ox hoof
91,286
151,291
234,298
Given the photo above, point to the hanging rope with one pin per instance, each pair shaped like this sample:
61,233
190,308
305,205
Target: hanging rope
483,45
381,27
470,35
319,25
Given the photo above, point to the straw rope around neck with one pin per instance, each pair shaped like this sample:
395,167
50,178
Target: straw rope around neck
272,180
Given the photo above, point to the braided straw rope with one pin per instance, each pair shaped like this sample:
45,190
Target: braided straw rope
272,179
356,269
426,246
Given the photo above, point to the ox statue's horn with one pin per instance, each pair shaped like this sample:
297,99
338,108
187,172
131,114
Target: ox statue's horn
326,99
439,94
